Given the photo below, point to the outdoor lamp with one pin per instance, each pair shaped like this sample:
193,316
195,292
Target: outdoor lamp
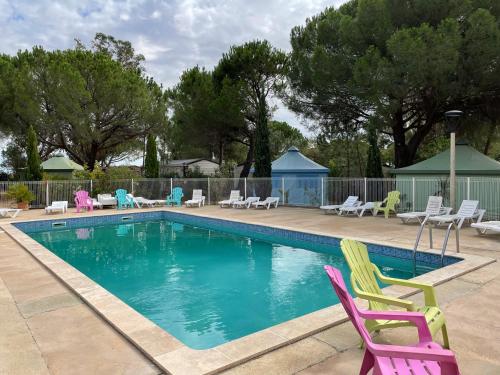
452,120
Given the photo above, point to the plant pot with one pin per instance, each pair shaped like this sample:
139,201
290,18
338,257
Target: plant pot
23,205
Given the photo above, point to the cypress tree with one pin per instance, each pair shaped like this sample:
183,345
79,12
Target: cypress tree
374,163
262,154
34,170
151,164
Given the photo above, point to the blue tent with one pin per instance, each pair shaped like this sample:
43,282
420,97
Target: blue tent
300,176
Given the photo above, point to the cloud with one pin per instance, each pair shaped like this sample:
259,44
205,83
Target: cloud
173,35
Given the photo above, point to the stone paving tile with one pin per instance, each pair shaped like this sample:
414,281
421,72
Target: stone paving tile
74,341
287,360
33,307
345,363
19,353
341,337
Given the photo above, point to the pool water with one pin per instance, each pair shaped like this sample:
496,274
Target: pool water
203,286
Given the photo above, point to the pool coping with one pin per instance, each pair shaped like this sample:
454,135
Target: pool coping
171,355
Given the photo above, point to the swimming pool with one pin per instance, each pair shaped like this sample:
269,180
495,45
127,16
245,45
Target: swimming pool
208,281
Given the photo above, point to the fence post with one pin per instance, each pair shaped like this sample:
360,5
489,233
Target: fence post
91,187
171,185
132,186
245,184
468,188
413,194
208,189
322,191
282,189
47,193
365,188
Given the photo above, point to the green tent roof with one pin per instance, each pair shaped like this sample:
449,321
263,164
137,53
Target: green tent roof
468,162
61,163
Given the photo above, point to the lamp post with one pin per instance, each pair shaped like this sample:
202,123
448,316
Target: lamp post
452,122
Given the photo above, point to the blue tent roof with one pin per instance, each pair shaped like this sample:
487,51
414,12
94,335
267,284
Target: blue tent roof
293,161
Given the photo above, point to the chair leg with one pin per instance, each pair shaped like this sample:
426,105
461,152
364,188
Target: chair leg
367,364
446,342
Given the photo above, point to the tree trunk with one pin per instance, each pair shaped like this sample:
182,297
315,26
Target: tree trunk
249,160
491,132
262,151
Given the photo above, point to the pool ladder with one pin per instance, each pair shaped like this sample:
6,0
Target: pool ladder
451,226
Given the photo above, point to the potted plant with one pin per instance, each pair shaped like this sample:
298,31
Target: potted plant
21,194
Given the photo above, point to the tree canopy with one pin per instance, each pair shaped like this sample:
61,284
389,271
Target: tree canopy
258,70
92,103
398,64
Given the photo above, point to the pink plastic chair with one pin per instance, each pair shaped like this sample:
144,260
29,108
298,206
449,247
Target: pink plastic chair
425,358
82,200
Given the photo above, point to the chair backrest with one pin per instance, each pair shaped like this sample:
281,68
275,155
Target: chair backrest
252,199
392,199
177,193
272,199
467,209
345,298
235,195
362,275
197,194
351,201
121,195
82,197
434,205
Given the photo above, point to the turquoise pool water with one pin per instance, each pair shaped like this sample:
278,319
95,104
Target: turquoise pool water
203,286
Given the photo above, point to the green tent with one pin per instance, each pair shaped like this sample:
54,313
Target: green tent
469,162
60,165
478,177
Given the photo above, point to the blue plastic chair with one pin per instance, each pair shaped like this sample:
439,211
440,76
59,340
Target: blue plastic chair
175,197
122,200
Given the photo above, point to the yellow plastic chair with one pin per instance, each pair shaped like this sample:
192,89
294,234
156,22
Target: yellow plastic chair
364,275
389,204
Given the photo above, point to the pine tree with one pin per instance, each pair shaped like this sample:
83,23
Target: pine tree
262,154
151,164
374,163
34,170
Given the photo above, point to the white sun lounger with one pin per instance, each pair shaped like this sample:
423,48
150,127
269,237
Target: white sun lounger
56,206
141,201
197,200
267,203
468,211
358,209
485,226
106,200
434,208
246,203
351,201
9,212
233,197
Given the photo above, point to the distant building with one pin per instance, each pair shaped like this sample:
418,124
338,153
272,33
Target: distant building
181,168
61,166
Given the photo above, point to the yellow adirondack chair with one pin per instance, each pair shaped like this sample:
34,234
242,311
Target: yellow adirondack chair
364,276
391,202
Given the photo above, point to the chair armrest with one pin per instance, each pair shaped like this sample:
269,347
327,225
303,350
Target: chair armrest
424,334
392,301
429,294
411,352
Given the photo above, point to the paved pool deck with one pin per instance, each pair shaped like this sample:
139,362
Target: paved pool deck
46,329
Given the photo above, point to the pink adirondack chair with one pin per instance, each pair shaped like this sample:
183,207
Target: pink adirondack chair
82,200
425,358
